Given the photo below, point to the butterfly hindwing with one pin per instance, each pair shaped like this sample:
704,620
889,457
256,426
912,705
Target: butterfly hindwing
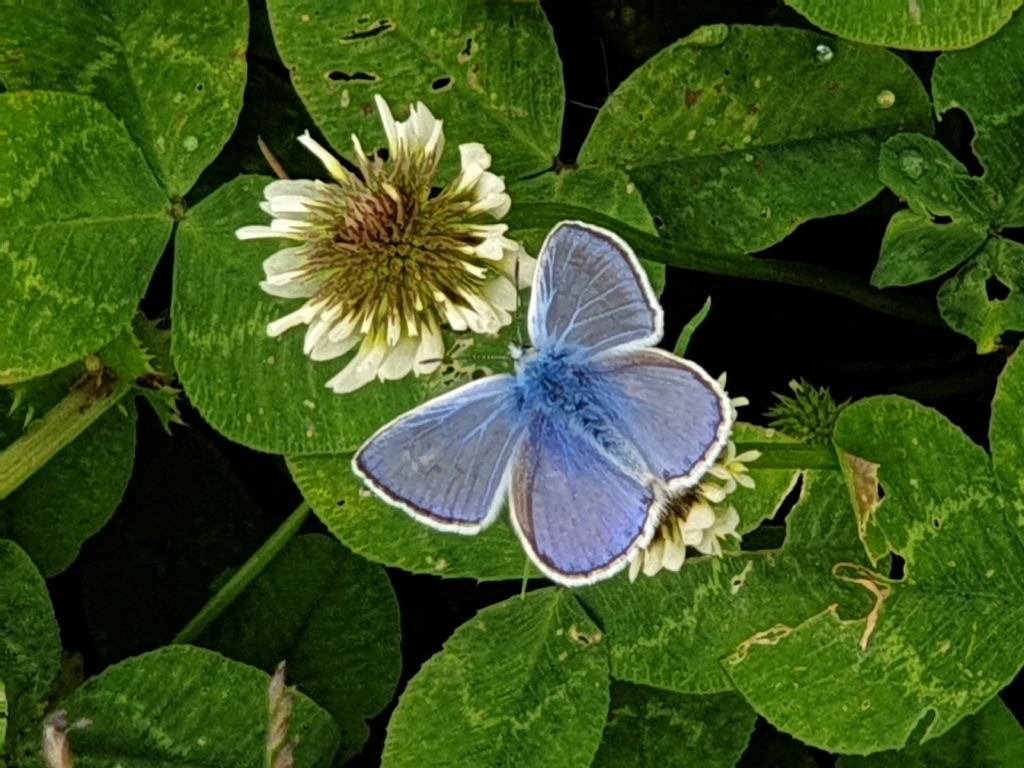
578,514
590,291
446,462
676,416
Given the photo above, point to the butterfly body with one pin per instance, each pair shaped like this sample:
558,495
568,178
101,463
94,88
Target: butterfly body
564,385
587,438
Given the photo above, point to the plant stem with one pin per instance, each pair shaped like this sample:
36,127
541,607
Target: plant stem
244,576
913,308
89,399
791,455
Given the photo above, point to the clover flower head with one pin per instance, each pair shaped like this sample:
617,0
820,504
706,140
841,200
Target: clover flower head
383,260
699,518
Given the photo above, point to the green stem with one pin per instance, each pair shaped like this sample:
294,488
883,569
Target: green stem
244,576
89,399
791,455
913,308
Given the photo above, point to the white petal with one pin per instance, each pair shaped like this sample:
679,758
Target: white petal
390,127
482,318
708,546
692,537
474,154
634,566
328,349
361,369
344,328
290,187
318,329
399,360
330,162
285,260
727,523
431,351
474,269
674,557
259,231
492,230
491,196
525,266
361,159
454,316
303,315
491,248
394,327
288,285
501,293
293,228
464,181
422,132
713,493
652,557
289,204
435,144
700,517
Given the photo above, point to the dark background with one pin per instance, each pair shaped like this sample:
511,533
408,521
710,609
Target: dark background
143,577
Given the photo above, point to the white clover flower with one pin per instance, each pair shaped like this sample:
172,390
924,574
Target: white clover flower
383,262
698,518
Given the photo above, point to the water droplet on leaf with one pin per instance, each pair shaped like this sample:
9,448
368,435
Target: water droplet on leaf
912,164
885,99
823,53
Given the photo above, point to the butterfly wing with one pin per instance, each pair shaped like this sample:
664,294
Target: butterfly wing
675,415
447,462
578,514
590,291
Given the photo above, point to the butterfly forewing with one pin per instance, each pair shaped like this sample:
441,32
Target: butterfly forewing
446,461
578,514
590,291
677,416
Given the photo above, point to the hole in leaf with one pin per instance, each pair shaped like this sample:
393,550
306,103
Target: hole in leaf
881,492
441,84
1013,233
199,87
367,77
361,34
958,134
936,523
897,565
467,51
658,221
942,220
996,289
341,502
772,533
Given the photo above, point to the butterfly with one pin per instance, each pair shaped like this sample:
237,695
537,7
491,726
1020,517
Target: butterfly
588,439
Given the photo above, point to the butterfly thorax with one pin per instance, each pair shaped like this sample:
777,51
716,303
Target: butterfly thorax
562,384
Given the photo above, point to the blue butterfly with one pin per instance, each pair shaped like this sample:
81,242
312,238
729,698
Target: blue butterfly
590,436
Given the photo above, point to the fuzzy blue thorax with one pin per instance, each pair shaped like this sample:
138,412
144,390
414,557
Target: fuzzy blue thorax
562,384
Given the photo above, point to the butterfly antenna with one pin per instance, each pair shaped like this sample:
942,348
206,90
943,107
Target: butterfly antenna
607,71
519,306
607,81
